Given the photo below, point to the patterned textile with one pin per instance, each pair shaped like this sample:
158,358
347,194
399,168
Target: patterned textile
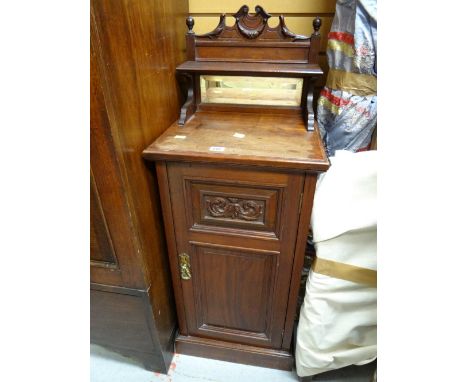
347,107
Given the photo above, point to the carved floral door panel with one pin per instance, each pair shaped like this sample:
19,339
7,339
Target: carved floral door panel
235,237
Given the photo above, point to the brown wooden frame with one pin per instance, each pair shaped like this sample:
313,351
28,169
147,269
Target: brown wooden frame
236,280
251,47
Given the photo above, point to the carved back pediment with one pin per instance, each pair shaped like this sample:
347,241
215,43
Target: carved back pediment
251,47
250,27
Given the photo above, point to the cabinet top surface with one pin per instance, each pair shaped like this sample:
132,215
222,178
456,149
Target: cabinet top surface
242,138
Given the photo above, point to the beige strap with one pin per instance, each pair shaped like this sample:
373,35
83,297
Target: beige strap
345,272
356,83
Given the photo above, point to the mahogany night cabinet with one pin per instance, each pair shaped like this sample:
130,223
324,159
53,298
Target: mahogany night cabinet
236,175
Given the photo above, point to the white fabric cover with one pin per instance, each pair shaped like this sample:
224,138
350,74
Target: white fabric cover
338,320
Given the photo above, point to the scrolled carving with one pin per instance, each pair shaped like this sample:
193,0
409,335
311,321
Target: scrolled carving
310,116
188,108
234,208
251,26
288,33
218,30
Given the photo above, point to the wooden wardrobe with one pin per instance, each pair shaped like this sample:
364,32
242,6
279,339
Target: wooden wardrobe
135,48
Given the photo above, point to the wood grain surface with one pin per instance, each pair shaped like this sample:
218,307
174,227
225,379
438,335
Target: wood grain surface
236,184
268,140
244,68
135,48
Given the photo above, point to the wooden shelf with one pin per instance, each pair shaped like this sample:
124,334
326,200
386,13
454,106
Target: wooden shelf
244,68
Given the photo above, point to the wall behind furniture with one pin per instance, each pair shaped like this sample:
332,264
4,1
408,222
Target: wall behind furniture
298,14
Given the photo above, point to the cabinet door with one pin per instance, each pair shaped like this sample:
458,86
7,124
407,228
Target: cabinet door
235,232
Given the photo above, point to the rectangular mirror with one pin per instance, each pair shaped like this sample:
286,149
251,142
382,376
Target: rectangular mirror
273,91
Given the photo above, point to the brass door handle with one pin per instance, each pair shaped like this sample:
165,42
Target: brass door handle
184,265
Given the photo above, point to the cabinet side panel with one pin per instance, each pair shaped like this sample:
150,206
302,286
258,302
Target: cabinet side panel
304,221
163,181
